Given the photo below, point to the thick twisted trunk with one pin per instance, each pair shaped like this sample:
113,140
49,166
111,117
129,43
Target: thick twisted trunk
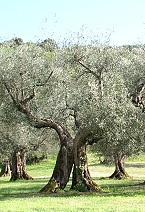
119,172
63,167
64,162
18,167
82,180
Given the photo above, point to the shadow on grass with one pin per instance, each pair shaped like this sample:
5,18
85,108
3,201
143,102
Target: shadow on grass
25,189
127,164
124,187
135,165
35,180
20,188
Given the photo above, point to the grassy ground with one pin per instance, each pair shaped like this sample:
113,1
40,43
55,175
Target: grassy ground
119,195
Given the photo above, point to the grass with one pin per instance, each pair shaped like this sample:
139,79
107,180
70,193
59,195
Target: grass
119,195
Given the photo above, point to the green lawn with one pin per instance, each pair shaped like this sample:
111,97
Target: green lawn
119,195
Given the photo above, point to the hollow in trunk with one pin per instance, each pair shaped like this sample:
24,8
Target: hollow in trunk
19,165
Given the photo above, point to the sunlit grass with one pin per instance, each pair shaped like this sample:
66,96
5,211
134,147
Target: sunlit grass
137,158
44,168
119,195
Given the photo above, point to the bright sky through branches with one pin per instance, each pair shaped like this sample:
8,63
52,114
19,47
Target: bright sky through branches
32,20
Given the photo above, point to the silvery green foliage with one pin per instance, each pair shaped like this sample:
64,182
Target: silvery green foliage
98,93
23,68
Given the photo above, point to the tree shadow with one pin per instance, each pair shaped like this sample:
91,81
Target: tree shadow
127,164
114,188
135,165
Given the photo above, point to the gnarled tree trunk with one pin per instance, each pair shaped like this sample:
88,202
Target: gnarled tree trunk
65,159
19,165
67,153
6,169
62,170
82,180
119,172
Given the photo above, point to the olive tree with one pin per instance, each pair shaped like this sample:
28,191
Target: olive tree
25,71
84,82
103,102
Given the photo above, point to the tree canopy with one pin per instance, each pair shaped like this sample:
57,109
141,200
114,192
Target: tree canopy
94,90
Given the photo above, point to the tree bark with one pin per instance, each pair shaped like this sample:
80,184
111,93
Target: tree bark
64,162
62,169
19,165
119,172
6,169
81,180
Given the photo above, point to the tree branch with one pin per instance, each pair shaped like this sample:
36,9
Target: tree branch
88,69
36,146
45,83
25,101
9,92
36,121
137,98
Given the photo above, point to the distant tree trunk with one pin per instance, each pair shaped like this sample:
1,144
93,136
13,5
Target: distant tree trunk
81,179
119,172
6,169
19,165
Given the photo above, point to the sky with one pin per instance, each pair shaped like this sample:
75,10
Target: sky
123,21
